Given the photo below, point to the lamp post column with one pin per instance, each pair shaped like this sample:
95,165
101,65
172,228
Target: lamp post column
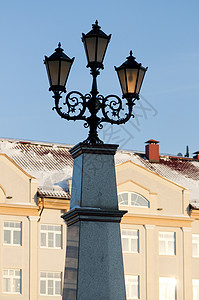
94,264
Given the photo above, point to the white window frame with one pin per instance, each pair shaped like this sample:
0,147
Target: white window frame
11,278
195,285
54,233
195,240
132,282
50,276
12,230
126,234
168,286
129,200
166,241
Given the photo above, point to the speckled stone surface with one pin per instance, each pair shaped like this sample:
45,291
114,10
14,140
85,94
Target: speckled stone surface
71,263
94,263
100,270
94,181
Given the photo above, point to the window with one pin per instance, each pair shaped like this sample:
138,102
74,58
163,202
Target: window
51,236
167,288
50,283
132,199
167,243
195,245
12,233
132,287
130,240
195,284
12,281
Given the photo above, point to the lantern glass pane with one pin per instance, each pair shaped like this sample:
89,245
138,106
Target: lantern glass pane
47,69
54,71
140,79
91,46
121,75
101,49
131,75
65,68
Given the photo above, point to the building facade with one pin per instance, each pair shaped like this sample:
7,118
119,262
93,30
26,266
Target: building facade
160,232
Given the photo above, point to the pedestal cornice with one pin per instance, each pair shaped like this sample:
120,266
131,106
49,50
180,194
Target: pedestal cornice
93,214
108,149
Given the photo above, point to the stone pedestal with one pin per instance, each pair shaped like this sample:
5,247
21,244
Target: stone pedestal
94,264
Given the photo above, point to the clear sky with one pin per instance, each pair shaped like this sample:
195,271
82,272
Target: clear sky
164,35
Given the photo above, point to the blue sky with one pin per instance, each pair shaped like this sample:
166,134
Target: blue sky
163,36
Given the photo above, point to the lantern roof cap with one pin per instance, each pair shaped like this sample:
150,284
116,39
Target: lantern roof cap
130,63
96,31
59,54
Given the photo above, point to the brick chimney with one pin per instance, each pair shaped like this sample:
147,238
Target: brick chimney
152,150
196,156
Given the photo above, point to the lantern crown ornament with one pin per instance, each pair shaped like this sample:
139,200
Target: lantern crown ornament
93,108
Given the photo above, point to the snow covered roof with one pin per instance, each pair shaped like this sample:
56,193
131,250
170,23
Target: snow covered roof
53,192
52,165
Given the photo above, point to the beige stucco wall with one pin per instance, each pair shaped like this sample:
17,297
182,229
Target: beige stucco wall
15,257
29,257
52,260
18,186
173,201
170,198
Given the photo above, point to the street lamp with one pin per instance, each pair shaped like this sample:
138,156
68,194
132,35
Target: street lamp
111,109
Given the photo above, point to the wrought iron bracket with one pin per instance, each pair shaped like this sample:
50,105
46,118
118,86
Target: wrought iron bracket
111,109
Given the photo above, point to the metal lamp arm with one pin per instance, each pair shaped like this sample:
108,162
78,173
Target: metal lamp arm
76,105
112,105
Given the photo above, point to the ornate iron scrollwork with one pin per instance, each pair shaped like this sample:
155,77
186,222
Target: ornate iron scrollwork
94,109
116,110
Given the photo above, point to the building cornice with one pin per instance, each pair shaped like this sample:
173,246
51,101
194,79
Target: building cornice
33,210
54,203
194,213
18,210
168,221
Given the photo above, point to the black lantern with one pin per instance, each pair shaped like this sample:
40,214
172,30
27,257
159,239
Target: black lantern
131,75
95,44
58,66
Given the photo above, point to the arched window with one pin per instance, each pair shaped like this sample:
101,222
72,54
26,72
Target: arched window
132,199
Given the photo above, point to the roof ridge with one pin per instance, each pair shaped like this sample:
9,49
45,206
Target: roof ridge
40,143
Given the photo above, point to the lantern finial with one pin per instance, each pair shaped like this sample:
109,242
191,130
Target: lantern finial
59,49
96,26
131,57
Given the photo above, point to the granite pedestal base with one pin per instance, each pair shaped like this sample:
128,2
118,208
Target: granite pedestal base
94,264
